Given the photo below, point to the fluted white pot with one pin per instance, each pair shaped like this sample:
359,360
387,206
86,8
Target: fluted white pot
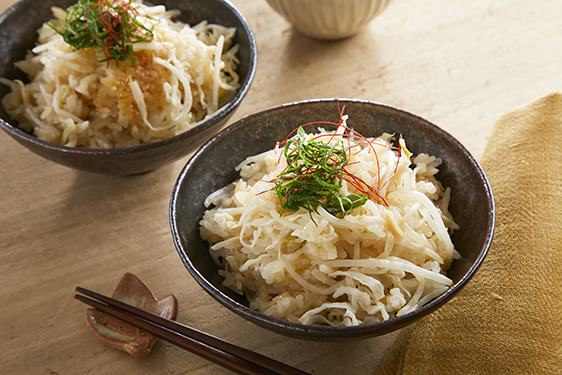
329,19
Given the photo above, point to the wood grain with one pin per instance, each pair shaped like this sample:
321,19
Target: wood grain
457,64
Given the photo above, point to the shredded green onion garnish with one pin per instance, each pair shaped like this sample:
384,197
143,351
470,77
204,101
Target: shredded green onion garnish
314,175
109,26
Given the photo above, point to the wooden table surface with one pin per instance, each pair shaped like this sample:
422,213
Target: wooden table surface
458,64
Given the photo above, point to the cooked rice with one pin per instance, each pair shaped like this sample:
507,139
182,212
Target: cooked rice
380,261
180,78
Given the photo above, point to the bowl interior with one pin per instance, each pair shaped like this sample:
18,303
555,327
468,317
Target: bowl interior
212,167
18,27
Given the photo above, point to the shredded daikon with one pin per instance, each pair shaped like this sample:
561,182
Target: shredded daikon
385,258
181,77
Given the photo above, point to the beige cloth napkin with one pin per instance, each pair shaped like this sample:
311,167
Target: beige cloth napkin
508,319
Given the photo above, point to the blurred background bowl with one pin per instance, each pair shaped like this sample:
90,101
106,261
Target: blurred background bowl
18,26
329,19
212,167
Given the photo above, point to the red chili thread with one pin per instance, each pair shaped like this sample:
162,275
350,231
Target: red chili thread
355,181
111,15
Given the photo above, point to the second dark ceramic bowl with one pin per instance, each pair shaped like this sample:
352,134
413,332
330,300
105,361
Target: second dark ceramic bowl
212,167
18,35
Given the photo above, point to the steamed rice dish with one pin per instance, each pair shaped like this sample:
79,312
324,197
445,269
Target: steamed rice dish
382,259
179,78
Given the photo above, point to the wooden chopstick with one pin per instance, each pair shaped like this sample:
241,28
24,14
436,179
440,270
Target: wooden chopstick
221,352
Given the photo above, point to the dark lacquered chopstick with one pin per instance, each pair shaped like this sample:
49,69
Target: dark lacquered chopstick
219,351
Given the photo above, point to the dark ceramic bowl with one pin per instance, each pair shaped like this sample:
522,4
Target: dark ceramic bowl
18,27
212,167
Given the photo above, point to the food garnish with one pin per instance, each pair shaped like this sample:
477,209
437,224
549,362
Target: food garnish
315,172
314,175
109,26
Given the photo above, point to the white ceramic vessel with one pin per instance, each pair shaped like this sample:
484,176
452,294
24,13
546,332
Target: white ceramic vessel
329,19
